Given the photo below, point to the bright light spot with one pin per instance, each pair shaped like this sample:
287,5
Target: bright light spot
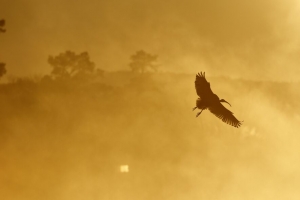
253,131
124,168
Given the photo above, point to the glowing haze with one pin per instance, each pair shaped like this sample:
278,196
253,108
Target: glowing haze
121,134
247,39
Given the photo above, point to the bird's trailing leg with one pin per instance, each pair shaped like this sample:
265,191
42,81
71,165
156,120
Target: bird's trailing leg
195,108
199,113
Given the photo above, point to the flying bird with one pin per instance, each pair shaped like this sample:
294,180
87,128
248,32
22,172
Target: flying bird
209,100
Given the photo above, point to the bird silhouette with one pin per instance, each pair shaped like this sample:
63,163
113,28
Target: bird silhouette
209,100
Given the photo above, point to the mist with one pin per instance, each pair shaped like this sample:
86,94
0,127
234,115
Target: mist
96,100
254,40
67,139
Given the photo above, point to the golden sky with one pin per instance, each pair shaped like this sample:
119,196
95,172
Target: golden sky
68,138
248,39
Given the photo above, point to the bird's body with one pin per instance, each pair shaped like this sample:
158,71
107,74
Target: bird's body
209,100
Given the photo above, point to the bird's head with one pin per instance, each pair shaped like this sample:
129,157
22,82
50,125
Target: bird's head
223,100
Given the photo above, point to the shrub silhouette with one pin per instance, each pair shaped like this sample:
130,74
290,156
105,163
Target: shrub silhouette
141,61
69,64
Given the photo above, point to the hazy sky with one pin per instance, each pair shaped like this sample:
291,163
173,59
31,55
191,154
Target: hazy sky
250,39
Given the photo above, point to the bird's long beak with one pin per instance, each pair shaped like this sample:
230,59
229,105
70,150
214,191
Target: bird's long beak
222,100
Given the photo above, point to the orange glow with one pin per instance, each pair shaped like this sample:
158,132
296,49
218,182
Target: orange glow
96,100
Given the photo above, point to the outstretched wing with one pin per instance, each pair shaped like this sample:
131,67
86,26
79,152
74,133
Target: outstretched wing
224,114
202,86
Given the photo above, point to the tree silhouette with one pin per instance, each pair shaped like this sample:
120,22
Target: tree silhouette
2,69
141,61
2,65
2,23
69,64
